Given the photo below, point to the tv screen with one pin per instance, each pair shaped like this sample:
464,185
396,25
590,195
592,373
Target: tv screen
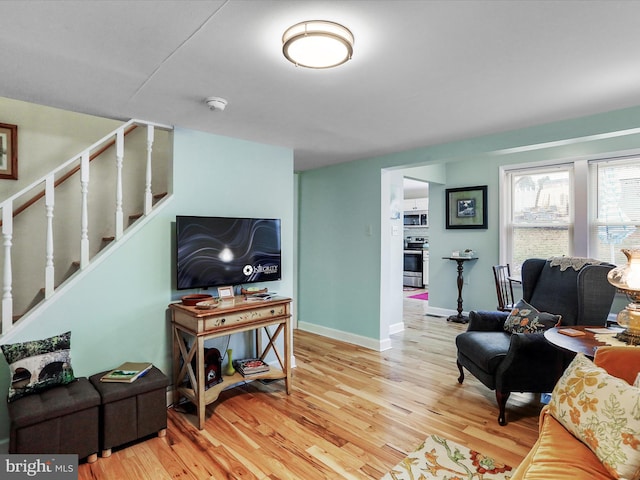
217,251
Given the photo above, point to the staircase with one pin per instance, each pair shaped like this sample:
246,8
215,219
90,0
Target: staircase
77,212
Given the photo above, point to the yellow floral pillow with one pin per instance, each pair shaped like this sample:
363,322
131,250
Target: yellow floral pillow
603,412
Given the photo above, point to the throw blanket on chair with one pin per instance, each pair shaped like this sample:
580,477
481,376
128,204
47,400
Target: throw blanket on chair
574,262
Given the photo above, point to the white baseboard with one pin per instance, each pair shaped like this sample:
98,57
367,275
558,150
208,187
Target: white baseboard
396,328
371,343
442,312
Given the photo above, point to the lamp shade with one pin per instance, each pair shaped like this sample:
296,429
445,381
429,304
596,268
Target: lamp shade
317,44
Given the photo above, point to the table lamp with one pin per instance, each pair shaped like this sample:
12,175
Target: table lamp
627,280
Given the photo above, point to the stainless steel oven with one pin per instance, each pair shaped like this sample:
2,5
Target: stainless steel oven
412,274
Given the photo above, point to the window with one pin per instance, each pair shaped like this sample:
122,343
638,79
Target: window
616,220
547,216
540,215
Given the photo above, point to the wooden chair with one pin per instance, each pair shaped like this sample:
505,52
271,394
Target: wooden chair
504,287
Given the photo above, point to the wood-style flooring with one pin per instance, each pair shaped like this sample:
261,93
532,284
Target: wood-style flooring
353,414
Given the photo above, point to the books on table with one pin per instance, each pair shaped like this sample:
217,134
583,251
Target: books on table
250,366
127,372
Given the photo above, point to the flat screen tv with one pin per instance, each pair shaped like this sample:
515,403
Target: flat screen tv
224,251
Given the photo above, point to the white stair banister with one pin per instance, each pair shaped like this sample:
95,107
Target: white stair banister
13,294
84,221
7,234
49,270
148,198
119,161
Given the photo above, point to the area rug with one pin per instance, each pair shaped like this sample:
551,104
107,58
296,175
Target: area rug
421,296
439,458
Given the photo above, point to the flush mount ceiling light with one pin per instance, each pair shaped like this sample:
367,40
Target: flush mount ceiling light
317,44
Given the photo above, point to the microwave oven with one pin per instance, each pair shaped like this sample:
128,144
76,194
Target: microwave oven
416,219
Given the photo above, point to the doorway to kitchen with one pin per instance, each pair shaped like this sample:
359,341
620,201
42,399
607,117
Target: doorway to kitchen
415,275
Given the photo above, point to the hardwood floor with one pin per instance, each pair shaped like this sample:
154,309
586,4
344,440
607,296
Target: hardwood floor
353,413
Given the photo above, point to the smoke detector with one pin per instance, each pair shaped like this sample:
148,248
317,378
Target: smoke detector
216,103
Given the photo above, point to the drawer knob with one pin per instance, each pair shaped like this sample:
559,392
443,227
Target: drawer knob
272,312
223,320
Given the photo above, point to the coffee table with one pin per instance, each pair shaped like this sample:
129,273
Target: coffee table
585,344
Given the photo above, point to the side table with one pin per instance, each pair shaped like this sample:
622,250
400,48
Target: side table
586,344
459,318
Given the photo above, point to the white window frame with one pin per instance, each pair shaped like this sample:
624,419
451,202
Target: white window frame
584,203
506,204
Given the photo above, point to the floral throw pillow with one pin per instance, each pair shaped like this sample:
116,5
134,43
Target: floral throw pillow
526,319
38,365
603,412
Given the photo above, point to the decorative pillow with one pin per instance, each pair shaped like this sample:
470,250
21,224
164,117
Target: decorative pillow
526,319
603,412
38,365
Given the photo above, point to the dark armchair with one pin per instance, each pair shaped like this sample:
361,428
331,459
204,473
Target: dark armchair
575,288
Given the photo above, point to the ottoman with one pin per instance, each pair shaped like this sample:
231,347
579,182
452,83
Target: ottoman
60,420
131,411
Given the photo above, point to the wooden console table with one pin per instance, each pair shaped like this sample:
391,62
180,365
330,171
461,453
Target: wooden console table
191,326
459,318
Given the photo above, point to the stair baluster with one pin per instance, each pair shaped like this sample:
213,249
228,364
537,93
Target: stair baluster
119,162
49,271
148,198
84,223
7,234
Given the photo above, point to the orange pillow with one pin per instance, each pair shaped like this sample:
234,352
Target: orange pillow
558,455
621,362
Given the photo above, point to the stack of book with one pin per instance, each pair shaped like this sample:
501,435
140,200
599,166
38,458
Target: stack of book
250,366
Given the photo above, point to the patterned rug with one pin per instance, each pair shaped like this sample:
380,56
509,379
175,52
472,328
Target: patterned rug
439,458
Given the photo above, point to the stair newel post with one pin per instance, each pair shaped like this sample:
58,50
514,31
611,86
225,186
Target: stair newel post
7,279
119,162
84,222
148,199
49,270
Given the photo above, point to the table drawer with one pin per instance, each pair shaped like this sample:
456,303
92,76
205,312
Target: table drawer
234,318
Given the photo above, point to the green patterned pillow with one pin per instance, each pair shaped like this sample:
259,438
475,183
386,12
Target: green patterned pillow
38,365
603,412
526,319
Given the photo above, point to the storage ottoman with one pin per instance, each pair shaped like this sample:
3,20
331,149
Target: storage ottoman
60,420
131,411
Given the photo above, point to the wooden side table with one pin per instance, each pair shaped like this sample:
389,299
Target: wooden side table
459,318
192,326
585,344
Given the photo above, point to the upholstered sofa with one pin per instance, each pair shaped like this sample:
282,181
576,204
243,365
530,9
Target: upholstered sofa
558,454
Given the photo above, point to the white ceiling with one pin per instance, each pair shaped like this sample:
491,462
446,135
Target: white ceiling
423,72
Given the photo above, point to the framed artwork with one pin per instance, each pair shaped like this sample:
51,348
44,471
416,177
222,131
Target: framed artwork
225,292
8,151
466,207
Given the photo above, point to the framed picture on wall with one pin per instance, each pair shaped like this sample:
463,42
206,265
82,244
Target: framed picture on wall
8,151
466,207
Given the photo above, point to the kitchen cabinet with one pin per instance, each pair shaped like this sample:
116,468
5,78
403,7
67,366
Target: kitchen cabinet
425,268
416,204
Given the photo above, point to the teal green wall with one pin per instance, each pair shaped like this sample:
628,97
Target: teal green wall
118,311
339,248
340,281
